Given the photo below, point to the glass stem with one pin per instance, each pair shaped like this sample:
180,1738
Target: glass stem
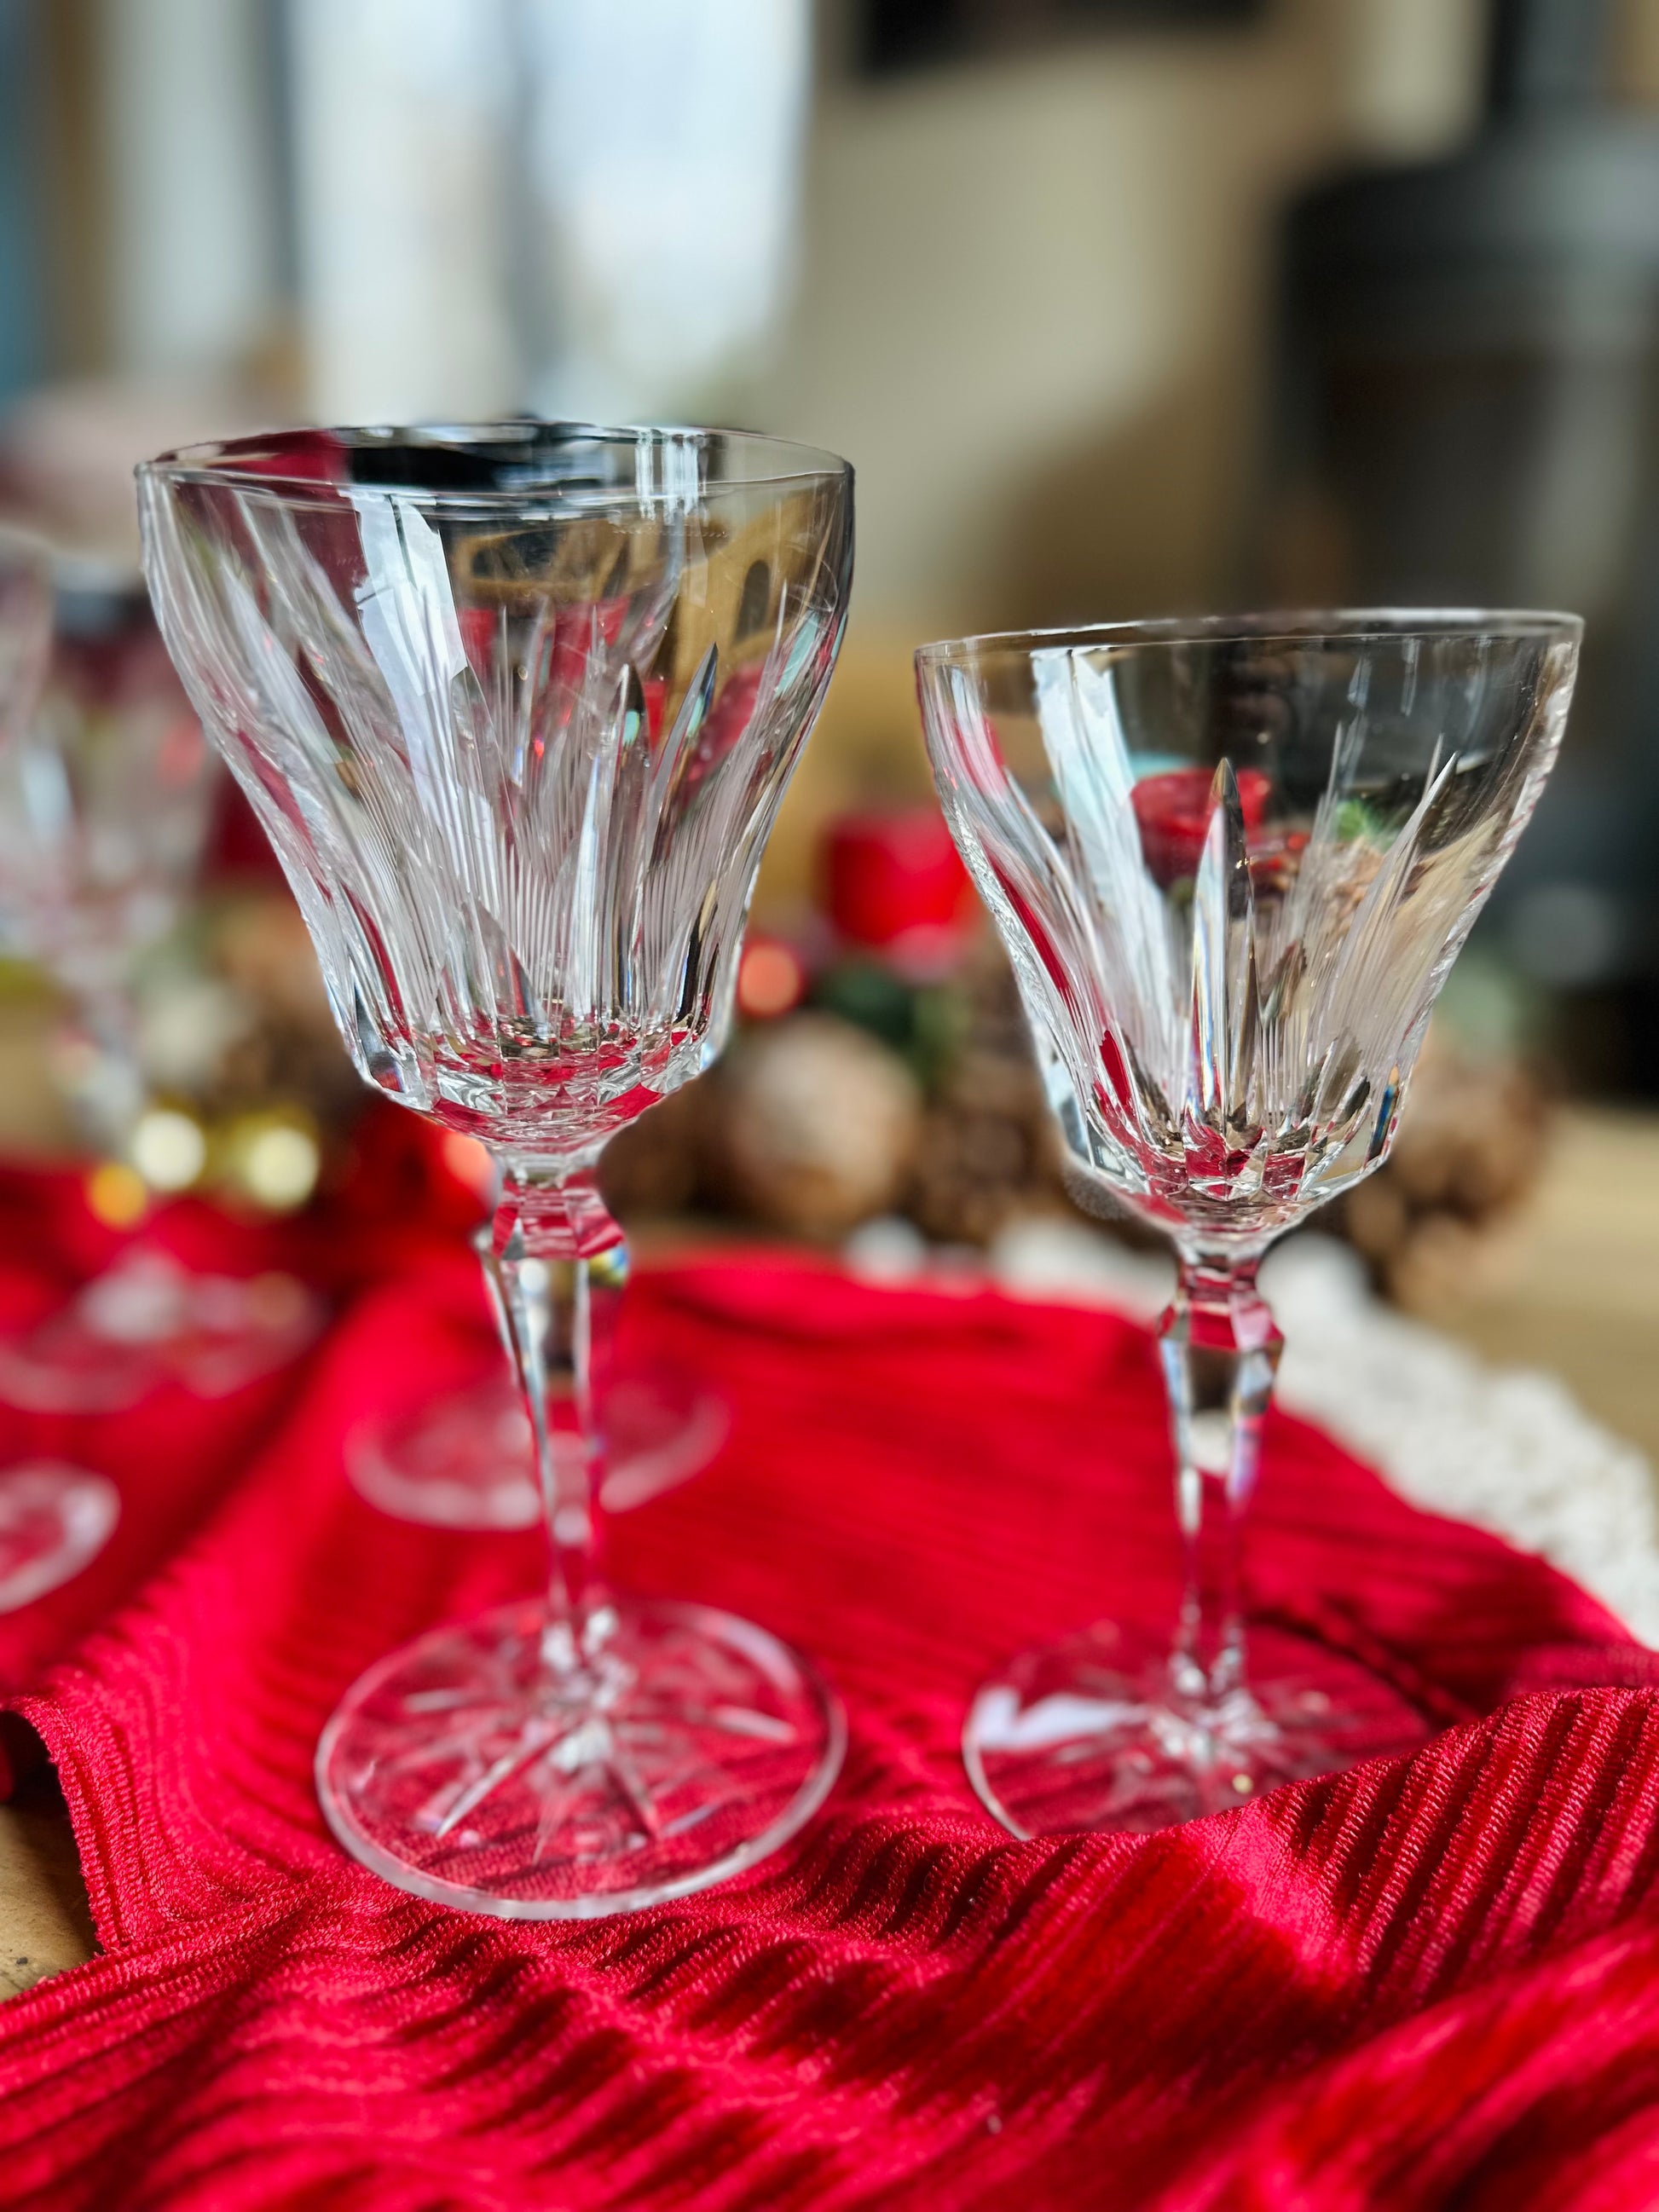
1220,1350
555,1264
102,1072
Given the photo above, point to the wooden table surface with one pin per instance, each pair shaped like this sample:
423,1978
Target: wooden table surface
1575,1282
1572,1283
45,1923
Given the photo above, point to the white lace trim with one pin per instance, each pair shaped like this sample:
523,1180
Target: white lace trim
1507,1450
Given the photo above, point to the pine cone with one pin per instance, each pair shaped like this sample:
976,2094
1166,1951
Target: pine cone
989,1151
1471,1143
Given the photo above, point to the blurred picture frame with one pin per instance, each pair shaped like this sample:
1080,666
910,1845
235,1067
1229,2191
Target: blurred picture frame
896,35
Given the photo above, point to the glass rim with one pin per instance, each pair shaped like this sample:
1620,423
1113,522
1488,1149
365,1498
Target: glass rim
215,461
1288,626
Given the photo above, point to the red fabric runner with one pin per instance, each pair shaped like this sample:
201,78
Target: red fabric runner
1429,1982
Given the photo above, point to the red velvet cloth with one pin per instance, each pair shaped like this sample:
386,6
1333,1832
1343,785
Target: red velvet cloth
1429,1982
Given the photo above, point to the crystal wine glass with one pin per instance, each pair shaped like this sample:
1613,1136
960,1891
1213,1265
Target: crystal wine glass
106,791
516,704
1231,862
53,1516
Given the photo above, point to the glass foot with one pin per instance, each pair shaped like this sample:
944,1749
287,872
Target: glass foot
465,1461
1091,1734
147,1320
54,1519
683,1747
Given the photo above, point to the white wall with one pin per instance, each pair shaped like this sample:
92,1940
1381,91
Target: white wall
1035,295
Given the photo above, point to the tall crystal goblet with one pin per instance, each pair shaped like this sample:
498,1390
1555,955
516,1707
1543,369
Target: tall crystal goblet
53,1518
516,704
1232,862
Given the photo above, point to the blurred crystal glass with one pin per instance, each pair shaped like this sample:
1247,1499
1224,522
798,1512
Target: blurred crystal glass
107,790
467,1459
1231,862
53,1518
516,704
105,794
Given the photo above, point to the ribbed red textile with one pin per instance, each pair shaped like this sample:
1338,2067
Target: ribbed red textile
173,1455
1429,1981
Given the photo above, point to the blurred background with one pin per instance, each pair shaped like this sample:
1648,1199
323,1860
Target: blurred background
1117,306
